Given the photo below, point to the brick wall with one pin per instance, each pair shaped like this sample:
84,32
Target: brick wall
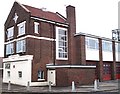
80,50
61,77
42,56
79,75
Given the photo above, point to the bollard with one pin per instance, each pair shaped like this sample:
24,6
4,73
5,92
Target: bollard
50,86
9,85
28,86
96,85
73,86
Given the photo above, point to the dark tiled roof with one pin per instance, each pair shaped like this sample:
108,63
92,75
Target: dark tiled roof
45,14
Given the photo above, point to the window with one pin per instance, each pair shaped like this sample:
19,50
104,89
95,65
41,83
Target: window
21,28
8,74
61,43
92,43
20,46
7,66
40,74
9,49
10,33
117,47
107,46
36,27
20,74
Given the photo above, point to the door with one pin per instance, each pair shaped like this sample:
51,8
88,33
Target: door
107,71
117,70
51,77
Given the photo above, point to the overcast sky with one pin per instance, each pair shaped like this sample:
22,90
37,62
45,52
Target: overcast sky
97,17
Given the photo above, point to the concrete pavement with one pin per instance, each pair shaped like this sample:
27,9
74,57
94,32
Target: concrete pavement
106,86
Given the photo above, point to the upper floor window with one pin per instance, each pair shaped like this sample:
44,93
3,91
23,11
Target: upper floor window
92,43
20,46
10,32
107,46
61,43
117,47
9,49
21,28
36,27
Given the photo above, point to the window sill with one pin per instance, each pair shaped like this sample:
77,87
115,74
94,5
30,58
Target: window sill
41,79
36,32
20,78
9,38
20,35
21,52
62,59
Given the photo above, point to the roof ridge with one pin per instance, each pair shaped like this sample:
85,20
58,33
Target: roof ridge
37,8
38,12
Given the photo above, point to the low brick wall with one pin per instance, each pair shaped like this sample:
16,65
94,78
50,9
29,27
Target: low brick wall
81,76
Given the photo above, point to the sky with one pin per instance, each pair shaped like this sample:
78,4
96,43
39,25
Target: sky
97,17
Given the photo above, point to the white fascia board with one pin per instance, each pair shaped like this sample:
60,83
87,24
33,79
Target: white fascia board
52,22
23,6
93,36
18,58
70,66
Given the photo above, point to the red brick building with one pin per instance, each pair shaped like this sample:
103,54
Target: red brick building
42,46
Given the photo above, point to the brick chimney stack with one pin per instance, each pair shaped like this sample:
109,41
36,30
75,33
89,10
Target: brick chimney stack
71,19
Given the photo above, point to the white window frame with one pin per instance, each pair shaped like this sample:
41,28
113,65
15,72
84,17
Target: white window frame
88,44
21,28
40,75
7,65
117,47
10,32
106,49
36,27
10,47
57,44
22,45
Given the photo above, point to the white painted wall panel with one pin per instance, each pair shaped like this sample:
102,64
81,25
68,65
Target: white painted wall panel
92,54
25,66
117,56
107,56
